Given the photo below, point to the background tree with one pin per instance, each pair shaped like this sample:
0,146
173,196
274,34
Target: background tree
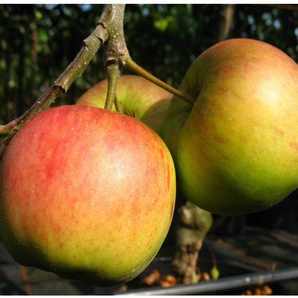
38,41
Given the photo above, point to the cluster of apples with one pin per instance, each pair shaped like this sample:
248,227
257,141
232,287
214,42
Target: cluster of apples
89,193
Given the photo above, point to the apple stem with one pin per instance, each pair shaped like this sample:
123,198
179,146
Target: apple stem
118,106
115,48
113,75
131,65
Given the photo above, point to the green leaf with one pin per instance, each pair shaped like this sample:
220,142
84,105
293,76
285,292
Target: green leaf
161,24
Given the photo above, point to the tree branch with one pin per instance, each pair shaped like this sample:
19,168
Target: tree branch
117,55
90,47
110,29
115,48
226,15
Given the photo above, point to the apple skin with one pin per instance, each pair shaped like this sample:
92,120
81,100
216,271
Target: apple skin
86,193
236,149
136,96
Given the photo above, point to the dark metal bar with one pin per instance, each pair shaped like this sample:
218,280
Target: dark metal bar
224,283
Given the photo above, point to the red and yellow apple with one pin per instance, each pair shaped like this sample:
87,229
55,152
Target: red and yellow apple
236,148
86,193
136,97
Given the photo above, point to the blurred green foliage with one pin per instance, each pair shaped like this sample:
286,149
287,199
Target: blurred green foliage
37,42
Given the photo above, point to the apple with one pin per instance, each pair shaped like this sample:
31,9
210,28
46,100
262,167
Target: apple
136,97
86,193
236,148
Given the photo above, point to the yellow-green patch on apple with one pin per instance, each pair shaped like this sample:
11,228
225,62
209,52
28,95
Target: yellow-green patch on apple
136,97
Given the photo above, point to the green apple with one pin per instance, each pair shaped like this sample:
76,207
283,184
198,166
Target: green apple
236,148
136,97
86,193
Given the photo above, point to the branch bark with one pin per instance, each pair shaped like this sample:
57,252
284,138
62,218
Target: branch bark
117,55
193,225
116,48
226,15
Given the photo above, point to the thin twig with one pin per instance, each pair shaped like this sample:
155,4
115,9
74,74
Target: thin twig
131,65
26,280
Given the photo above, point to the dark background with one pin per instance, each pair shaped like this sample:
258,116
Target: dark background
37,42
